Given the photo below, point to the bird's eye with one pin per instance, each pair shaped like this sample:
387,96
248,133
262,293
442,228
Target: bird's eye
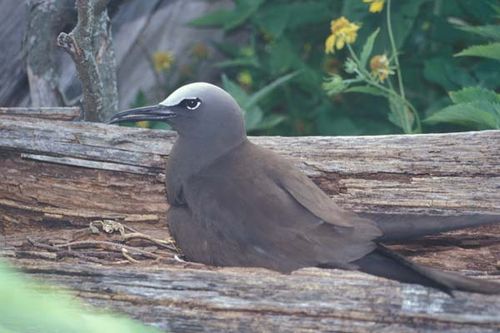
191,103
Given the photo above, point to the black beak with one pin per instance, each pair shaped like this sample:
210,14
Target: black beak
156,112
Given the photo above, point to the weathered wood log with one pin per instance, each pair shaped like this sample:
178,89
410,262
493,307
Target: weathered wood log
178,299
54,113
52,172
97,170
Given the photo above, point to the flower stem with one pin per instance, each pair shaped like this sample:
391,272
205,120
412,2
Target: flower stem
354,56
365,76
394,50
407,125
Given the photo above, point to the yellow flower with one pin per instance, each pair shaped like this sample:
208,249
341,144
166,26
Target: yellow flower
379,65
162,60
343,32
200,51
376,6
245,78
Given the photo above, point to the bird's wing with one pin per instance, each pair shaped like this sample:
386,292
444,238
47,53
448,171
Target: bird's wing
254,217
312,198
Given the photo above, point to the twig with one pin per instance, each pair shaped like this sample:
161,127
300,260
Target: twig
137,235
110,226
115,246
63,253
128,256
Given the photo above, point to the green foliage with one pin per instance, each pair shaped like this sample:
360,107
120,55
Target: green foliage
230,19
472,94
269,39
366,90
368,48
473,107
254,116
487,31
28,307
491,51
478,115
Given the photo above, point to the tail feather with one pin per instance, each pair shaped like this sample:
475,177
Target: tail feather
385,263
397,227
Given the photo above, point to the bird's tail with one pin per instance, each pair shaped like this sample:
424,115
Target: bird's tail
396,228
385,263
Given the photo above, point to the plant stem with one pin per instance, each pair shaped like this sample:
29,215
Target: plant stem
407,126
365,76
370,81
394,50
353,55
391,92
400,111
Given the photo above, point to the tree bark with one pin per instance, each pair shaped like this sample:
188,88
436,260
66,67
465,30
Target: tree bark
90,46
56,174
46,19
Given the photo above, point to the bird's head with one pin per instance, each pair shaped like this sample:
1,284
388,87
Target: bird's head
198,109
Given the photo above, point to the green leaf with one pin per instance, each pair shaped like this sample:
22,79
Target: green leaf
281,56
367,48
491,51
257,96
270,121
214,19
235,90
307,13
244,9
273,20
276,18
228,49
397,114
446,73
365,90
229,19
253,118
29,306
478,115
487,31
238,62
471,94
404,15
355,10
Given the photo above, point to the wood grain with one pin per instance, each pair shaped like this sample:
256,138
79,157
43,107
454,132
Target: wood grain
53,113
57,176
179,299
102,170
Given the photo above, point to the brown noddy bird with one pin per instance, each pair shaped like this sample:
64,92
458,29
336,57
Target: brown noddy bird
233,203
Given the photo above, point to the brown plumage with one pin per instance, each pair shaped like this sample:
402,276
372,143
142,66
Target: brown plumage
236,204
